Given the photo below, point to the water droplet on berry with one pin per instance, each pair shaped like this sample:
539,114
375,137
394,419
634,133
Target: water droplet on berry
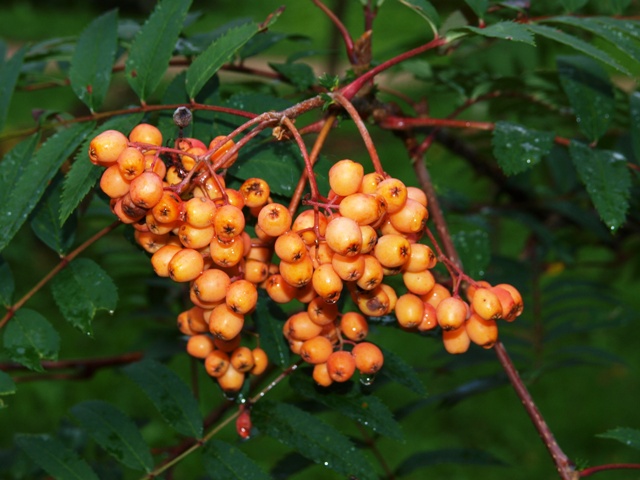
231,396
367,379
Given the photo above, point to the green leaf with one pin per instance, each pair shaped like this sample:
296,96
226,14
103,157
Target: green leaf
634,120
9,72
45,221
7,284
115,433
516,32
518,148
169,394
578,44
573,5
456,456
426,10
608,181
628,436
299,74
153,46
269,318
7,385
397,370
615,7
21,189
95,52
30,338
311,437
80,290
83,174
365,409
474,249
216,55
479,7
223,461
53,457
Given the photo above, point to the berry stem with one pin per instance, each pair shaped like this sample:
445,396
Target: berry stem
612,466
348,41
315,193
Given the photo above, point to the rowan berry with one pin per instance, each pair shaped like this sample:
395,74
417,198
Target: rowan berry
106,147
211,285
279,290
409,310
242,296
234,197
392,250
131,163
345,177
341,366
216,363
391,293
321,375
456,341
517,299
161,228
228,222
363,208
274,219
321,312
153,163
199,346
451,313
113,183
370,182
486,304
316,350
255,271
418,195
438,293
146,134
224,323
186,265
226,253
373,303
256,192
368,358
419,283
160,260
354,326
300,327
168,209
146,190
242,359
429,318
199,212
150,241
506,302
290,247
350,268
306,293
295,346
304,225
411,218
297,274
343,235
193,237
260,361
320,254
394,192
471,288
372,275
219,149
190,159
422,258
229,345
480,331
327,283
231,381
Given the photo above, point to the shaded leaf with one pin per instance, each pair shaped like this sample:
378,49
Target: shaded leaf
83,174
95,52
169,394
625,435
518,148
289,465
634,117
573,5
299,74
29,338
266,40
7,284
216,55
223,461
115,433
590,94
456,456
53,457
269,318
426,10
311,437
365,409
397,370
9,72
153,46
479,7
474,249
80,290
615,7
608,181
22,188
7,386
578,44
516,32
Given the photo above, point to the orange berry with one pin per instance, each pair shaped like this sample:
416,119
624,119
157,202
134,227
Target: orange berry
146,190
131,163
368,358
113,183
255,271
290,247
226,253
391,293
409,310
419,283
429,318
327,283
153,163
343,235
306,293
473,287
363,208
255,192
106,147
517,299
227,346
354,326
321,375
146,134
274,219
451,313
392,250
320,254
228,222
160,260
211,285
369,238
279,290
321,312
169,207
394,192
219,149
216,363
224,323
301,327
438,293
418,195
304,226
373,303
242,359
370,182
186,265
350,268
341,366
506,302
456,341
199,212
297,274
411,218
150,241
193,237
242,296
486,304
422,258
345,177
480,331
232,380
372,275
260,361
199,346
316,350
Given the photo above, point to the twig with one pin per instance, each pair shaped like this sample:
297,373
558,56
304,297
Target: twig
346,37
612,466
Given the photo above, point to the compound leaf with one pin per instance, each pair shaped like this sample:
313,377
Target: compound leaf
270,330
223,461
516,32
625,435
30,338
7,284
169,394
115,433
573,5
9,73
518,148
426,10
457,456
396,369
80,290
299,74
479,7
7,387
474,249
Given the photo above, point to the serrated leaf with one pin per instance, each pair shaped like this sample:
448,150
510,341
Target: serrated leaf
518,148
45,221
83,174
7,284
507,30
153,46
115,433
289,465
573,5
426,10
22,189
608,181
53,457
9,72
625,435
29,338
577,44
264,41
299,74
365,409
269,318
397,370
216,55
634,121
311,437
7,385
169,394
95,52
80,290
474,249
223,461
456,456
479,7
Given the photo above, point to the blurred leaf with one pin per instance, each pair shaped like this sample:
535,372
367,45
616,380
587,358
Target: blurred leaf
22,188
250,102
608,181
397,370
634,117
421,69
456,456
45,221
311,437
53,457
573,5
590,94
289,465
518,148
83,174
30,338
474,250
578,44
625,435
269,318
169,394
153,46
223,461
9,73
216,55
299,74
426,10
7,284
266,40
95,52
615,7
80,290
479,7
7,387
115,433
516,32
365,409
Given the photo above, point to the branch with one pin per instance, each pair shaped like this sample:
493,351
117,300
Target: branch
346,38
613,466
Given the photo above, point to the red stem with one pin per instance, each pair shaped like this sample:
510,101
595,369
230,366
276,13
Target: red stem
613,466
348,41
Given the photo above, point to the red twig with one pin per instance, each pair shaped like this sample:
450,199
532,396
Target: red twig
346,37
613,466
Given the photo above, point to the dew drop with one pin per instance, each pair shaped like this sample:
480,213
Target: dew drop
326,464
231,396
367,379
111,312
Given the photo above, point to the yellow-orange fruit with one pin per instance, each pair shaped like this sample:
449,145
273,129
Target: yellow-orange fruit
372,275
131,163
160,260
211,285
216,363
370,182
297,274
411,218
321,312
321,375
306,293
255,271
349,268
256,192
316,350
438,293
220,148
224,323
429,318
301,327
290,247
451,313
279,290
274,219
341,366
409,310
480,331
169,207
392,250
242,296
368,358
363,208
150,241
226,253
517,299
391,293
153,163
354,326
394,192
146,190
106,147
304,225
418,195
199,346
199,212
260,361
419,283
147,134
345,177
373,303
228,346
456,341
486,304
193,237
113,183
422,258
242,359
232,380
186,265
320,254
327,283
343,235
507,303
369,238
472,287
228,222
